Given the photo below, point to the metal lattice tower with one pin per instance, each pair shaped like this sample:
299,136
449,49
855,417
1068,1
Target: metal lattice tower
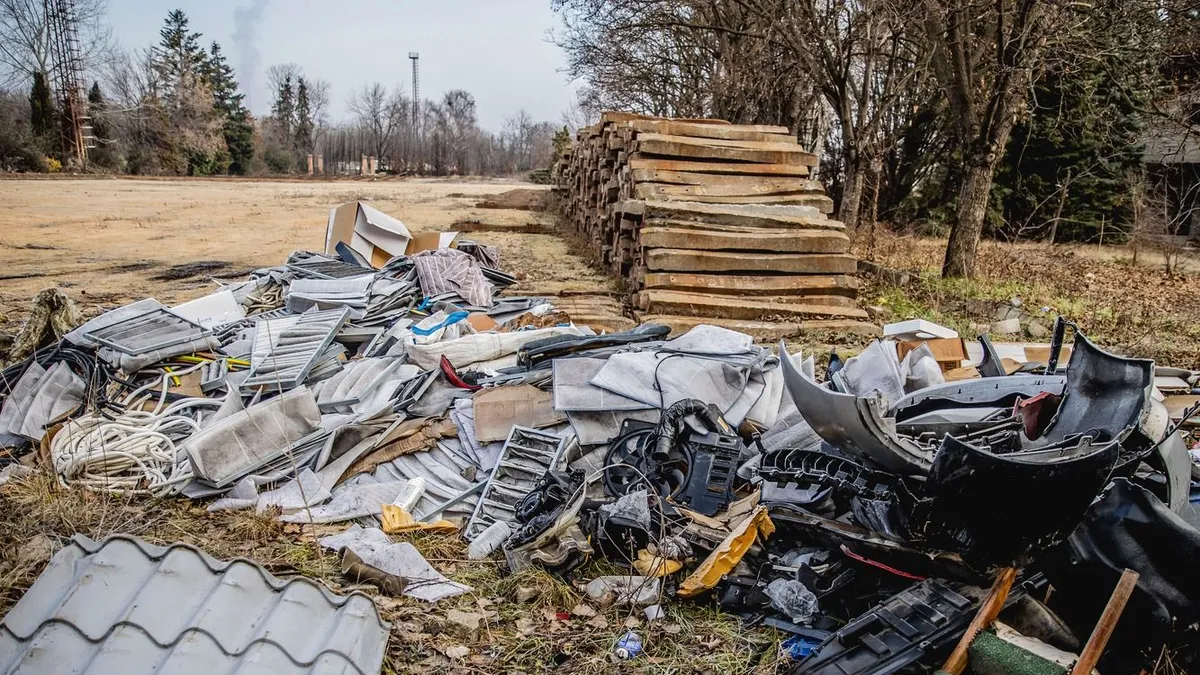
66,79
416,106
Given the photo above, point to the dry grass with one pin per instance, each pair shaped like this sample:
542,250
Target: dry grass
1137,309
534,636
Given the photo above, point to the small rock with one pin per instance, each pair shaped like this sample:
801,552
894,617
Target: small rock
527,594
879,313
1037,331
36,551
457,652
1006,312
468,620
980,328
1007,326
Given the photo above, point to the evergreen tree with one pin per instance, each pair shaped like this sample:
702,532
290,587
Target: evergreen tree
41,118
284,109
104,154
178,56
1069,165
304,123
237,128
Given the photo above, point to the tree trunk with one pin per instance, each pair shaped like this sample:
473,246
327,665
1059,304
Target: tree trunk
852,196
973,198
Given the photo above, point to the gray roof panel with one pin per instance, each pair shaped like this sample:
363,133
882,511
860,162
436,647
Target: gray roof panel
130,607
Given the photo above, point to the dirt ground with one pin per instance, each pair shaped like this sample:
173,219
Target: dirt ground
107,241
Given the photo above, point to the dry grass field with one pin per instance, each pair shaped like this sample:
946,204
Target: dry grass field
110,240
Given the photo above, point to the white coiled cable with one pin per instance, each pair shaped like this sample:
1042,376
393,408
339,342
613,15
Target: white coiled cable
135,452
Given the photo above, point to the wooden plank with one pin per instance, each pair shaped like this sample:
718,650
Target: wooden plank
725,307
649,190
733,151
735,132
988,610
680,260
736,215
1090,656
822,223
694,193
639,162
734,284
761,184
618,117
765,331
769,240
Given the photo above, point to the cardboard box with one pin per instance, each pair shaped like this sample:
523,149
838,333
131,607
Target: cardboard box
948,352
372,233
429,241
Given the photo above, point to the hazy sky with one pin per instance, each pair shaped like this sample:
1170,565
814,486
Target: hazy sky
495,49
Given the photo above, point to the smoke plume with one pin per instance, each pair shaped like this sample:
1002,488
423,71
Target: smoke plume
245,36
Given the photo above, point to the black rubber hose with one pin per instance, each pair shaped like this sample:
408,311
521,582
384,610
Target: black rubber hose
672,425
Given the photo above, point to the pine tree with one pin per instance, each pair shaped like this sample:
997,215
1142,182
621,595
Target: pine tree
237,128
178,55
304,123
41,118
284,109
104,154
1068,167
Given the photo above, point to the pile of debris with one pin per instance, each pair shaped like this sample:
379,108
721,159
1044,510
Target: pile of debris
390,385
710,219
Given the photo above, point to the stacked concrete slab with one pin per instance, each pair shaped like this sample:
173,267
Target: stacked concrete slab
714,220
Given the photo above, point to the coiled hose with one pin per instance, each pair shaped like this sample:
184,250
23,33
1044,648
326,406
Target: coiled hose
136,451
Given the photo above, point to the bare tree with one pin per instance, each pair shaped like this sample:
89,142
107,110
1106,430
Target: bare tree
25,37
380,113
985,56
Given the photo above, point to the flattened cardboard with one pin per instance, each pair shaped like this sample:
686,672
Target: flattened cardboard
481,322
498,409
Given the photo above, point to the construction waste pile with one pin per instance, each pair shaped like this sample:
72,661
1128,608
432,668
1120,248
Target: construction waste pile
709,219
900,512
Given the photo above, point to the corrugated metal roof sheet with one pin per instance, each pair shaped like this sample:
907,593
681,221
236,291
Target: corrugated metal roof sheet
125,606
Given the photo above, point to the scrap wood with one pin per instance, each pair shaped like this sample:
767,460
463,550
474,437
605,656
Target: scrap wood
52,315
1090,656
396,520
410,436
726,556
988,610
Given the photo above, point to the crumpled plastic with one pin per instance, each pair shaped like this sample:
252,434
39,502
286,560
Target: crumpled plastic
632,506
793,599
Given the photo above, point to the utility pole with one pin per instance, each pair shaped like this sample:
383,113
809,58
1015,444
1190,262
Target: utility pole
416,87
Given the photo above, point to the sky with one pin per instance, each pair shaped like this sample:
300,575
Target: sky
495,49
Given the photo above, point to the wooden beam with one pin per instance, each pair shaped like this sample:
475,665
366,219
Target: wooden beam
680,260
735,284
1090,656
992,604
640,162
768,240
